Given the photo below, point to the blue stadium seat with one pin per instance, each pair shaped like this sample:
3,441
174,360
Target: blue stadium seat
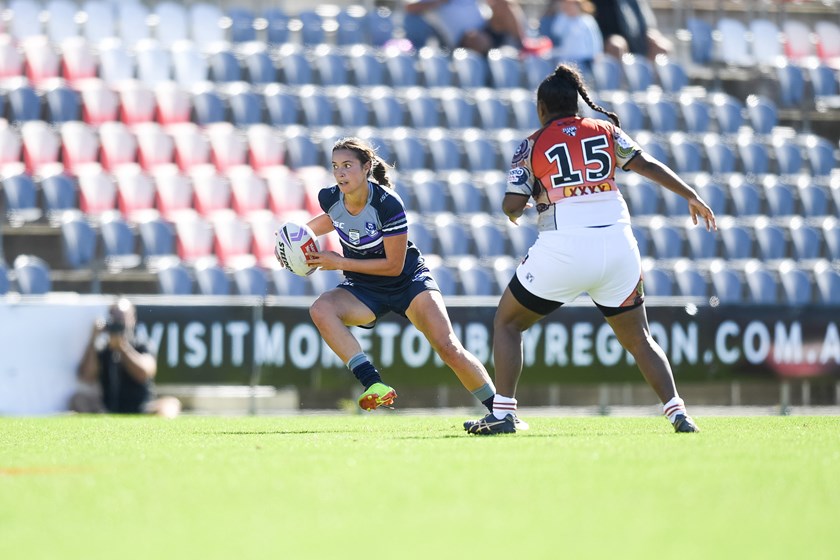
506,71
446,278
728,111
667,240
277,29
250,280
629,112
401,68
522,237
654,146
814,199
754,155
245,106
781,197
642,235
687,154
301,150
288,284
696,114
720,155
675,205
223,66
59,193
828,283
797,284
763,113
281,106
311,28
703,244
737,241
657,281
208,107
524,109
788,155
713,193
78,241
421,235
434,68
823,79
772,241
23,102
762,285
366,69
790,80
503,269
493,113
211,279
5,284
453,237
317,107
663,114
257,66
831,233
672,76
458,111
388,111
409,150
607,72
701,43
806,240
488,237
746,196
32,274
727,285
470,68
638,72
325,280
21,198
351,26
62,104
118,242
481,152
157,237
241,24
536,69
380,26
467,198
353,111
295,69
820,153
174,279
422,108
330,66
475,279
430,194
690,281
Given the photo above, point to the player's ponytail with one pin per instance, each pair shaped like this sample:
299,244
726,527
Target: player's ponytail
378,167
559,93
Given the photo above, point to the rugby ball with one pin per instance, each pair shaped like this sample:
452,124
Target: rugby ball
294,242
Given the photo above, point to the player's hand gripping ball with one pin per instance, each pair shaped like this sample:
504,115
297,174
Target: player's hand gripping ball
294,242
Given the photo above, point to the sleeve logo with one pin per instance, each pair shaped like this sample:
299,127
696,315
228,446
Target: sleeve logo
521,152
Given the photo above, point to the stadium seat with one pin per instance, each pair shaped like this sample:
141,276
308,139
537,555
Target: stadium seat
159,62
194,235
401,68
281,106
721,157
20,197
444,150
277,29
317,107
687,154
467,198
806,240
118,242
41,61
421,235
11,59
430,194
118,145
79,145
481,153
137,102
762,285
435,68
630,113
828,41
288,284
820,152
642,196
471,69
701,42
32,275
737,241
77,60
506,71
325,280
663,113
22,101
41,145
763,113
388,111
733,43
670,73
656,281
204,25
831,233
135,190
475,280
727,285
115,63
689,280
353,111
172,23
173,103
295,69
790,80
493,113
780,196
59,194
192,147
5,284
702,244
211,279
765,46
257,66
746,196
228,147
10,144
521,237
422,108
380,26
696,114
97,191
157,237
813,198
365,67
409,150
503,269
453,237
458,111
667,240
772,241
264,146
232,236
753,154
25,18
446,277
264,225
728,112
100,103
638,72
301,150
101,20
248,190
713,193
311,28
607,73
208,106
798,41
330,66
223,66
211,190
489,238
174,279
642,236
828,283
797,285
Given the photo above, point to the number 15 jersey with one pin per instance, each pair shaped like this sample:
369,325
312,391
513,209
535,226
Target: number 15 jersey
568,167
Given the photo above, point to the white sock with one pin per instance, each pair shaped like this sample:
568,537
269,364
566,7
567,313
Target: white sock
502,406
673,407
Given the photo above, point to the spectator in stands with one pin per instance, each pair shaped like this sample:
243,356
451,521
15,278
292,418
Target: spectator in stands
575,33
585,243
629,26
463,23
384,272
116,373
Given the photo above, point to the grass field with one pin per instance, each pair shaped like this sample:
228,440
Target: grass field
386,485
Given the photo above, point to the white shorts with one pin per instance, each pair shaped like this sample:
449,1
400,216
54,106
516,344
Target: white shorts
602,261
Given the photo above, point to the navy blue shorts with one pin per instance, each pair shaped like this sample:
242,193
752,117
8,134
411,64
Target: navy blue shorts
397,300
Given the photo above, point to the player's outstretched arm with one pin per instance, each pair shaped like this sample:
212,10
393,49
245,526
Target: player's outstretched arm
321,225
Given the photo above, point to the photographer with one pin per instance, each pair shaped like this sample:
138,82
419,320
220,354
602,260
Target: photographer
116,373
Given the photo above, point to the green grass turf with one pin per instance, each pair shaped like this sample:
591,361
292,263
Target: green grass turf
417,487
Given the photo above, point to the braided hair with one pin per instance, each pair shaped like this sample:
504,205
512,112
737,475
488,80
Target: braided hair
559,93
366,153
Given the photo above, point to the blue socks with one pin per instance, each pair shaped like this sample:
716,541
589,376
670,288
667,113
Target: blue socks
364,370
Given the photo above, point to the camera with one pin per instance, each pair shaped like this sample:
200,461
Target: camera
114,327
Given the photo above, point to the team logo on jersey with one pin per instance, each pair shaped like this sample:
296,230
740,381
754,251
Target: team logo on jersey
354,236
370,228
518,176
570,130
521,152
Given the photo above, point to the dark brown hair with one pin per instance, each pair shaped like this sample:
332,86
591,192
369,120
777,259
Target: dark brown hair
559,93
366,153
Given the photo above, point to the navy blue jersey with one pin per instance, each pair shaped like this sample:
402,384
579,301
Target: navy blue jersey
362,236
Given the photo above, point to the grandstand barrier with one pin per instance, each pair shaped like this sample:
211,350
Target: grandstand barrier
271,346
